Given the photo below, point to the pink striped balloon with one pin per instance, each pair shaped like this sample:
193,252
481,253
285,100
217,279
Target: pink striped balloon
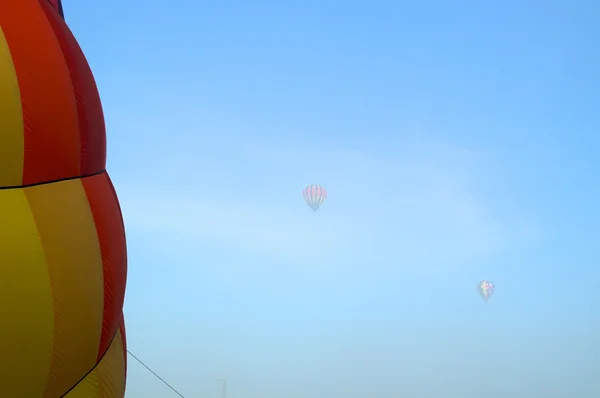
314,196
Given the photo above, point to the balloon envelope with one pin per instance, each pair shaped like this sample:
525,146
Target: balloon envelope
62,242
486,289
314,196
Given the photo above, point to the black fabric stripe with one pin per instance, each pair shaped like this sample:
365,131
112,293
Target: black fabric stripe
53,181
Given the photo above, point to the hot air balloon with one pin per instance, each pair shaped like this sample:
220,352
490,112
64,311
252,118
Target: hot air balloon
62,242
486,289
314,196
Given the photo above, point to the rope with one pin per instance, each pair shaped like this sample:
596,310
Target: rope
154,373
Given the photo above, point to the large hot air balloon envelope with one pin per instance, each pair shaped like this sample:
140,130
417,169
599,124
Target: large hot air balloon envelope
486,289
62,241
314,196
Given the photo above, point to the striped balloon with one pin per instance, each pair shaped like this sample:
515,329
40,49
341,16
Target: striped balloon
314,196
62,242
486,289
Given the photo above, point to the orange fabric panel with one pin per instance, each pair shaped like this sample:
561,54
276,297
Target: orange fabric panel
92,134
111,236
51,138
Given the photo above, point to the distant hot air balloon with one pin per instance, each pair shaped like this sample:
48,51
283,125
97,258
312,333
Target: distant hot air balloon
314,196
486,289
63,261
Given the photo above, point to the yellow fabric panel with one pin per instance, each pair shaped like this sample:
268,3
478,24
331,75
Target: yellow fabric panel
108,379
89,387
66,227
11,121
112,369
26,306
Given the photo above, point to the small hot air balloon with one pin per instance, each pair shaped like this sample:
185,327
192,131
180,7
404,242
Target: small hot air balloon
314,196
486,289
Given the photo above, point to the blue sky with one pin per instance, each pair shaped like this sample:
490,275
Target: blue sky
458,141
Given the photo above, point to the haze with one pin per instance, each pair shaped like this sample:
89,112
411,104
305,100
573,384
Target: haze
458,142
